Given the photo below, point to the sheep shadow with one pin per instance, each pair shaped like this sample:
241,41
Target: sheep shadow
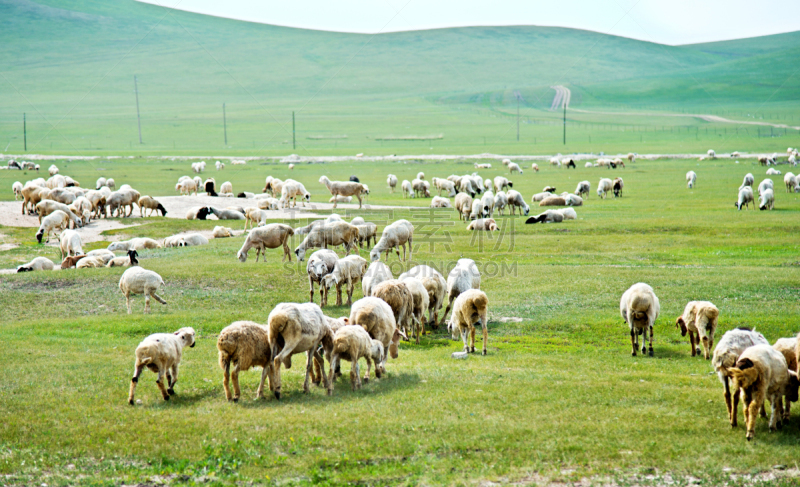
180,399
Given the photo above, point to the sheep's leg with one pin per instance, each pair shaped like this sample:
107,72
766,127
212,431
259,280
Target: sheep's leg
728,403
485,335
309,365
464,333
335,201
286,252
226,379
775,420
691,342
634,345
644,339
447,310
160,384
472,339
237,392
158,298
355,383
421,324
170,390
334,365
146,303
651,342
128,300
339,293
350,288
359,201
787,409
137,371
752,414
174,380
369,367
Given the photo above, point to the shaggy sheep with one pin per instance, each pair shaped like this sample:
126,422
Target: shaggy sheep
140,281
352,343
291,189
699,318
767,200
394,236
37,264
377,318
58,220
500,201
162,354
440,202
320,264
483,225
398,296
773,172
122,199
344,188
333,233
222,232
604,186
148,203
245,344
470,307
514,167
788,348
761,373
745,198
727,352
348,270
391,180
269,236
465,275
617,185
435,285
420,303
297,328
70,243
691,177
639,308
463,205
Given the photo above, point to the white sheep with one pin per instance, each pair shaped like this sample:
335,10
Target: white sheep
245,344
17,189
344,188
90,263
333,233
297,328
105,254
515,200
639,308
320,264
352,343
377,318
711,154
222,232
219,165
349,270
291,189
483,225
394,236
726,354
70,243
791,182
604,186
572,199
137,280
340,199
773,172
161,353
538,197
440,202
463,205
435,285
421,188
555,161
376,273
588,164
478,210
53,170
445,185
764,185
135,244
748,180
37,264
470,308
514,167
269,236
767,200
391,180
745,197
699,319
691,177
500,201
535,167
465,275
58,220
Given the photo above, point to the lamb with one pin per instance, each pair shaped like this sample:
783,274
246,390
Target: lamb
148,203
377,318
435,285
463,205
220,165
639,308
296,328
56,220
135,244
765,160
269,204
245,344
320,264
346,270
466,185
478,210
535,167
792,183
470,308
140,281
736,154
226,214
340,199
483,225
691,177
588,164
377,272
161,353
555,161
767,200
745,198
394,236
711,154
421,188
618,184
398,296
126,261
500,201
487,200
699,318
553,201
631,157
273,186
514,167
90,263
334,233
761,373
186,187
726,354
748,180
352,343
501,183
420,303
222,232
269,236
70,243
17,189
464,276
345,188
440,202
604,186
37,264
367,232
391,180
291,189
773,172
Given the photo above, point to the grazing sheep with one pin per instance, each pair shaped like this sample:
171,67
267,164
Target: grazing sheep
122,199
761,373
226,214
352,343
767,200
467,186
220,165
553,216
394,236
604,186
348,270
297,328
421,188
367,232
465,275
691,177
489,166
273,186
765,160
53,170
483,225
269,236
320,264
745,198
553,201
344,188
764,185
376,273
58,220
555,161
162,354
269,204
514,167
127,261
535,167
583,188
445,185
792,183
140,281
222,232
135,244
333,233
515,200
420,303
639,308
398,296
727,352
37,264
17,189
501,183
748,180
245,344
711,154
210,187
699,318
588,164
70,243
435,286
440,202
470,307
391,180
617,185
500,201
463,205
572,199
186,187
148,203
377,318
773,172
487,200
46,207
478,210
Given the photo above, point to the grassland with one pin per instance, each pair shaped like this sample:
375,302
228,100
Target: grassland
558,397
70,66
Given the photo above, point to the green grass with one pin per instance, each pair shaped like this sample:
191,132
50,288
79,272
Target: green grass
70,66
558,397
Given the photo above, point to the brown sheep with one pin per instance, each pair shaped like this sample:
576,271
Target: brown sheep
246,345
470,307
269,236
397,295
553,201
375,316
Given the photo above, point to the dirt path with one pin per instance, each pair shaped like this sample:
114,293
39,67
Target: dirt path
707,118
561,98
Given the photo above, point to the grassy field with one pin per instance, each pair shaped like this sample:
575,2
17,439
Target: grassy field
558,397
70,67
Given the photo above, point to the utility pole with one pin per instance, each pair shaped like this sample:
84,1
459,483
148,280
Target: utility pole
224,125
294,146
25,131
565,122
138,119
517,119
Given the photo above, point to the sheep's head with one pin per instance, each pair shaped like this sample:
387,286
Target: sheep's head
242,256
23,268
681,325
39,235
300,253
186,335
374,255
453,329
132,255
527,209
317,267
376,352
492,226
329,281
162,209
307,196
393,345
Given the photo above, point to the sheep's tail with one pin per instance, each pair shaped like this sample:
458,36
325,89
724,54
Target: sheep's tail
339,346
